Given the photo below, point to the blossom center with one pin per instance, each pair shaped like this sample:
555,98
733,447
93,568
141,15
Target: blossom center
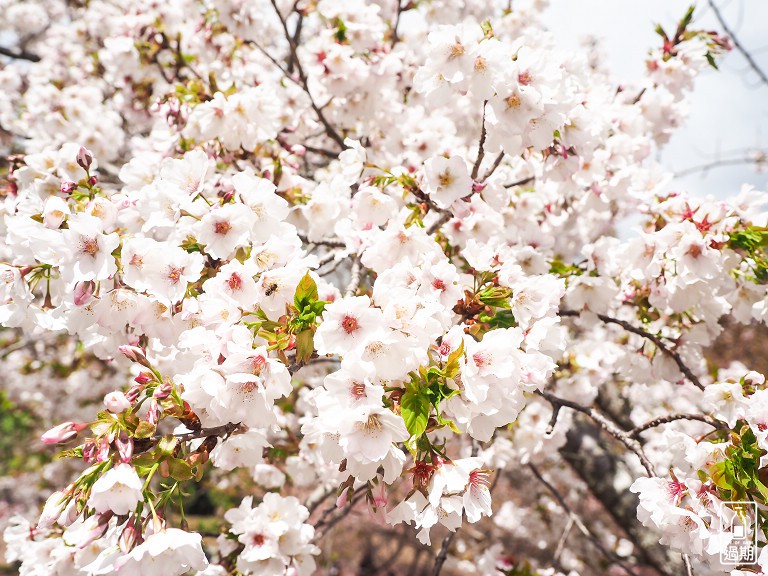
235,282
174,274
349,324
445,178
357,390
89,246
222,227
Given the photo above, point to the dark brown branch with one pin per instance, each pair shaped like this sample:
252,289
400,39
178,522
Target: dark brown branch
492,169
20,55
606,424
758,160
579,523
223,430
294,58
327,524
714,422
687,564
443,555
480,147
648,336
355,276
522,182
330,242
444,217
400,9
737,44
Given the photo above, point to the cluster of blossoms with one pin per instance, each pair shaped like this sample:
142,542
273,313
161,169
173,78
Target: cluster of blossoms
354,249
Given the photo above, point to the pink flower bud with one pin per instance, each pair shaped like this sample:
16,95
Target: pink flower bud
124,446
341,501
131,536
67,186
478,186
83,292
116,402
144,378
133,393
92,180
89,452
380,496
53,508
84,158
102,450
163,391
96,526
135,354
298,150
153,412
62,433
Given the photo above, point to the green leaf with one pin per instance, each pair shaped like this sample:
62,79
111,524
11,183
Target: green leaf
145,460
721,476
167,444
305,345
496,296
179,469
144,430
452,364
711,60
415,407
306,292
686,19
749,239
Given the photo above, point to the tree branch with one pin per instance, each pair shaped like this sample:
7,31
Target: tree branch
737,44
714,422
492,169
759,160
578,522
294,58
647,335
443,555
20,55
480,147
522,182
606,424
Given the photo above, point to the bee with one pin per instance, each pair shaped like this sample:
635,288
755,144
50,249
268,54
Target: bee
271,288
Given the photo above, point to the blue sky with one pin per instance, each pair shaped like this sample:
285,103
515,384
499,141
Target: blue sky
729,108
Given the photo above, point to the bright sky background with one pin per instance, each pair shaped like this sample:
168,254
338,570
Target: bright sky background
728,109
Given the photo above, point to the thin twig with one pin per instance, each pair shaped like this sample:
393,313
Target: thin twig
737,44
578,522
223,430
355,275
443,555
330,242
522,182
395,36
561,543
606,424
687,564
325,259
758,160
480,147
492,169
444,217
329,524
313,506
714,422
647,335
294,57
20,55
